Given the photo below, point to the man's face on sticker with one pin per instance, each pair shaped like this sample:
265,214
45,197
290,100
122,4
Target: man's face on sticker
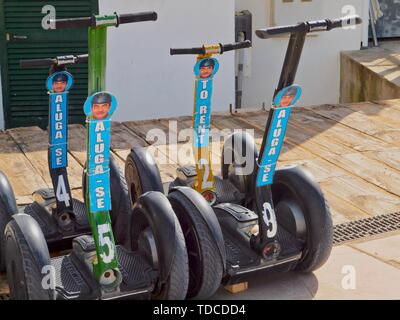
100,110
206,71
59,86
286,100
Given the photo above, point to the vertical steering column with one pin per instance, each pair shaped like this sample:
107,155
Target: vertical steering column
97,195
205,69
58,84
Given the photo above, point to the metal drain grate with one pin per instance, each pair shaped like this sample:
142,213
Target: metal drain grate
365,228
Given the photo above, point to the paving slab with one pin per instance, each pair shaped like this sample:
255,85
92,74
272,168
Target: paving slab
386,250
350,273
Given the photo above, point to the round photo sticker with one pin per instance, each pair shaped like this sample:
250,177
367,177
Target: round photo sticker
206,68
288,96
100,106
59,82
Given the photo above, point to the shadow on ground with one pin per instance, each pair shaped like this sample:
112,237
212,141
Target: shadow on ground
275,286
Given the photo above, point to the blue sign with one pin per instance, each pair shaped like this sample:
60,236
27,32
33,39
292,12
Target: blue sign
98,109
283,104
58,85
58,130
205,69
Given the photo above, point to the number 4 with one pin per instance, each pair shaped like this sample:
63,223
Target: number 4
61,192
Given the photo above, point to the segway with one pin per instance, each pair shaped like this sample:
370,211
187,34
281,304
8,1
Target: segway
203,235
271,220
58,214
148,257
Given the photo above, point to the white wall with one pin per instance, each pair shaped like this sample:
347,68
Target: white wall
146,80
319,70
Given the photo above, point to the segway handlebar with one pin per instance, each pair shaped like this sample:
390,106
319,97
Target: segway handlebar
218,49
104,20
59,61
309,26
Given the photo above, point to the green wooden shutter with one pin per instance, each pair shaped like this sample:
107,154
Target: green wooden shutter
25,100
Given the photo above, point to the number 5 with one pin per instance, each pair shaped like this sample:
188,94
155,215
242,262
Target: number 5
106,241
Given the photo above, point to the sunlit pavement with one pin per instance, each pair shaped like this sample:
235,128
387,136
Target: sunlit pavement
364,270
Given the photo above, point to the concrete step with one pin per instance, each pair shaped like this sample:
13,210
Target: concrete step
372,74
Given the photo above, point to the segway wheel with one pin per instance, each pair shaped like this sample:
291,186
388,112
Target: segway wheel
23,274
157,233
141,174
206,257
178,281
3,222
238,163
8,207
294,184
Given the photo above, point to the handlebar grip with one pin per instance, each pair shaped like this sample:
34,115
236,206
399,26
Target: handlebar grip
115,19
187,51
137,17
82,58
59,61
37,63
73,23
344,22
203,50
274,31
235,46
309,26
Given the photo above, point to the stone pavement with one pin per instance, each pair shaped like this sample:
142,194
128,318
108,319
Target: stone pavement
365,270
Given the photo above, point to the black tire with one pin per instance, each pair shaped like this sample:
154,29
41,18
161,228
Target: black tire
154,212
295,183
23,274
142,174
178,281
206,265
4,219
120,204
8,207
234,155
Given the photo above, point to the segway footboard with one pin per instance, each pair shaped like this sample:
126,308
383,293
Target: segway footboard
224,189
74,278
60,235
238,224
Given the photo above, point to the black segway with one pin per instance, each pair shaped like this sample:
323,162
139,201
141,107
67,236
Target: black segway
273,220
58,214
138,253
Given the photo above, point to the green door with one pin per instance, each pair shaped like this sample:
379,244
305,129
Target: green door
25,100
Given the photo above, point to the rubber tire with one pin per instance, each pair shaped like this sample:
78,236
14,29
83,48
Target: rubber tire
18,254
176,284
298,184
4,219
178,281
8,207
120,203
231,145
206,267
141,176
